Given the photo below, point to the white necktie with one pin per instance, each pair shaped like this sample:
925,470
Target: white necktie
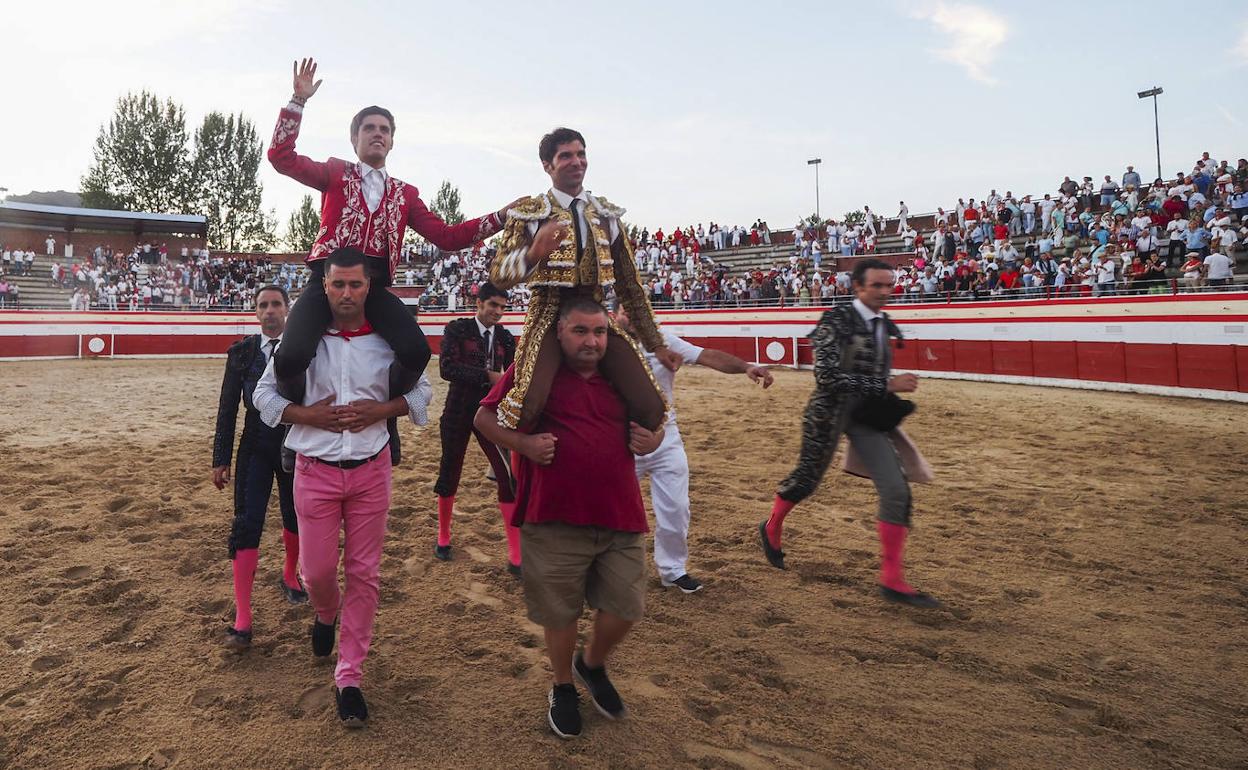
372,189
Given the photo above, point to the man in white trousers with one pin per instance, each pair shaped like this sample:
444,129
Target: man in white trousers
668,466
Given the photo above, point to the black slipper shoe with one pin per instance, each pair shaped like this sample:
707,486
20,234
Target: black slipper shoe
775,556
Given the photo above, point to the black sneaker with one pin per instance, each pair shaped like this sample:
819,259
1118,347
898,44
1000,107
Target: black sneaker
442,552
601,691
323,637
564,715
352,709
237,640
686,583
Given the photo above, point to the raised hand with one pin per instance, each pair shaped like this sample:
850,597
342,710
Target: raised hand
305,82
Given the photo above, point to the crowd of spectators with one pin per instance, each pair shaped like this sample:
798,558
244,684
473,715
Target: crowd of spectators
1126,237
147,279
1083,238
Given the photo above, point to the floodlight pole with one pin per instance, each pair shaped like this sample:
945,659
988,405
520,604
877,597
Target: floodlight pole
1153,92
815,162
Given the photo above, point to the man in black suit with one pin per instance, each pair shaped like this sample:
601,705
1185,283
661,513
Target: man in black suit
258,464
475,351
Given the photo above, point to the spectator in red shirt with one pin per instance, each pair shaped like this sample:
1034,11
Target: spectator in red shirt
1010,279
580,512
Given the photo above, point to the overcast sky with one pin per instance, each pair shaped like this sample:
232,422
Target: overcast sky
692,111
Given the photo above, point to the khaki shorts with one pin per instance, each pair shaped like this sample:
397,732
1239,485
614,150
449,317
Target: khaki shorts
565,566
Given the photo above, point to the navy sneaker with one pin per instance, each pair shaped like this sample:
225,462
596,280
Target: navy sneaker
601,691
564,715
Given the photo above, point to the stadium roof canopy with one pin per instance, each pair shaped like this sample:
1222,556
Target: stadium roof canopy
67,218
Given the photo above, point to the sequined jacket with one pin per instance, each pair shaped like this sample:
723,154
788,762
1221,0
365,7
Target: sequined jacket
603,262
345,218
244,364
846,363
461,362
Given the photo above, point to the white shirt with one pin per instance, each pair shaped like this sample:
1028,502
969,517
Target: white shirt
870,315
349,369
265,347
565,200
666,377
374,185
1218,267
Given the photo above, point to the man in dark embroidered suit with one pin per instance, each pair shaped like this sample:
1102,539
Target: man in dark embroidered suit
475,352
365,208
257,466
852,396
569,243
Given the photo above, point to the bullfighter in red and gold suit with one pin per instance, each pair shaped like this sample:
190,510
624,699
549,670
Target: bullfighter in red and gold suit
365,208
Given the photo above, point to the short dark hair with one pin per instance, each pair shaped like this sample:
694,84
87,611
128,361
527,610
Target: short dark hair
344,257
550,143
488,290
859,276
580,305
271,287
358,120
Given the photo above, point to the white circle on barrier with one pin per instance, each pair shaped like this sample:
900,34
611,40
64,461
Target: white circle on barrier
775,351
95,345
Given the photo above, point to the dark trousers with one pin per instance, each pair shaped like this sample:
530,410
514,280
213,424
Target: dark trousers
456,428
386,313
257,465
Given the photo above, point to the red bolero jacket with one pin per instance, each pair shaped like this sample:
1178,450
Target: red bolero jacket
345,218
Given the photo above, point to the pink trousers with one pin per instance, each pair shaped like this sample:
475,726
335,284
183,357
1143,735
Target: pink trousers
356,502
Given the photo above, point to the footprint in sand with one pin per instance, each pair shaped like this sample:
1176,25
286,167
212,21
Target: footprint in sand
73,573
117,503
478,593
416,566
47,662
476,554
314,700
205,697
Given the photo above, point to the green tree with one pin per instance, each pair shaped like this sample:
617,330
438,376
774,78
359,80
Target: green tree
140,158
303,226
853,218
446,203
226,185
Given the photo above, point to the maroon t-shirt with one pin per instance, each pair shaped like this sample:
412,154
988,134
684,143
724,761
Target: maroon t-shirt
592,481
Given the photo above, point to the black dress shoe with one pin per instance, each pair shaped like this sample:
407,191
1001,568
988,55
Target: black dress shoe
293,595
775,557
323,637
916,599
237,640
442,552
352,709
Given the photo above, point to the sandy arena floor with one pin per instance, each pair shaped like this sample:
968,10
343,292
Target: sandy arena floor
1091,549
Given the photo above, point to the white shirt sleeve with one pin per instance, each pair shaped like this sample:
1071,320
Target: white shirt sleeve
687,351
418,399
267,401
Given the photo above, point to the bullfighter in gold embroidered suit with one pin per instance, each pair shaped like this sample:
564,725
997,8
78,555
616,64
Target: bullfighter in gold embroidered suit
567,242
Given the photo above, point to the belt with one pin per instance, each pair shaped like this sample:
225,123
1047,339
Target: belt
347,465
